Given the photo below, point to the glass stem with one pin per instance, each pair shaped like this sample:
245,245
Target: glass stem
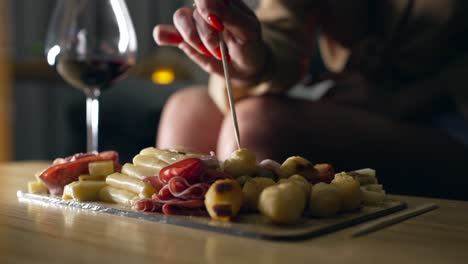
92,119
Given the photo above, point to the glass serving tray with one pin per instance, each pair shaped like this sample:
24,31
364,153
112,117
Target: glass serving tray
245,225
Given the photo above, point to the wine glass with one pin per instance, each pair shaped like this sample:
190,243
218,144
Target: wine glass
92,44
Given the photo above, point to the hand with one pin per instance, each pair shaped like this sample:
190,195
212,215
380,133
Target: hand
195,31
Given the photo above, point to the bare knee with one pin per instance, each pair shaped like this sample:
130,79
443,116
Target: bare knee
189,114
186,96
257,127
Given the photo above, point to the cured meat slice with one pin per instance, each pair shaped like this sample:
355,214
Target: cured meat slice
171,207
192,169
180,188
147,205
164,194
66,171
154,181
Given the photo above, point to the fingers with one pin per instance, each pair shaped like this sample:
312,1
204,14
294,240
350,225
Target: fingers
167,35
230,15
207,34
208,64
184,23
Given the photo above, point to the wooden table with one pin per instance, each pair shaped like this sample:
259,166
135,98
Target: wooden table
34,233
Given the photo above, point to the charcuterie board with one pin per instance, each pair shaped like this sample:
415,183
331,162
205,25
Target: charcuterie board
245,225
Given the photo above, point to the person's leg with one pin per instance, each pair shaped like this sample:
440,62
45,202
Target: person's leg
191,120
409,158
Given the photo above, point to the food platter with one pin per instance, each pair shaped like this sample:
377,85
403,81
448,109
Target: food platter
254,226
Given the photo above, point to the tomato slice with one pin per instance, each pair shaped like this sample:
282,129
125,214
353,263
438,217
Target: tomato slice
58,175
191,169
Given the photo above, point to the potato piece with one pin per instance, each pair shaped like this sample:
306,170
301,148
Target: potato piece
251,191
223,199
101,168
303,183
83,190
115,195
86,177
242,162
298,165
243,179
37,187
139,172
325,200
149,162
122,181
349,190
283,203
264,173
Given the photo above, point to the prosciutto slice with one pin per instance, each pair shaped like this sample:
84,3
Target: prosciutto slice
171,207
154,181
182,187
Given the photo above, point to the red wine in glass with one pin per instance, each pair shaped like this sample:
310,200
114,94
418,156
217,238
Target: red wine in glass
92,44
92,74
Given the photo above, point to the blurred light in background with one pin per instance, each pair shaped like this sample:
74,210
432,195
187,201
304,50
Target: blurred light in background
52,54
163,76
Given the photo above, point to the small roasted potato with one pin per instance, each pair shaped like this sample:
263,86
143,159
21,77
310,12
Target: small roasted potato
116,195
101,168
282,181
251,191
325,200
241,162
83,190
298,165
283,203
305,185
243,179
264,173
223,199
349,190
37,187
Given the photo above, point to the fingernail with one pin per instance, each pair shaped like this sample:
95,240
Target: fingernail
216,22
218,53
204,50
174,38
220,56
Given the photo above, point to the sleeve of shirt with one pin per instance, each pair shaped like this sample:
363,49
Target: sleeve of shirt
287,30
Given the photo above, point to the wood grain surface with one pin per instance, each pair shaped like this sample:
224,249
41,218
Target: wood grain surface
31,233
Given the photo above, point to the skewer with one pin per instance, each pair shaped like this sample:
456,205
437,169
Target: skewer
222,46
